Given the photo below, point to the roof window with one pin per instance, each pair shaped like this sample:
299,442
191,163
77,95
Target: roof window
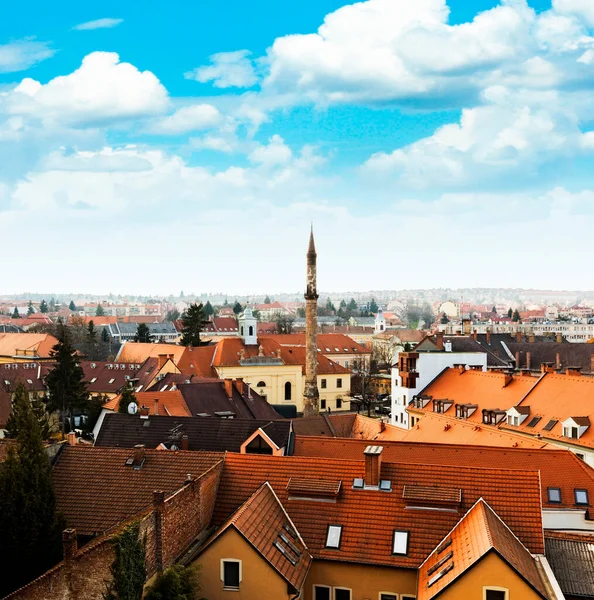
333,536
385,485
111,380
581,497
550,425
554,495
534,421
358,483
93,380
400,542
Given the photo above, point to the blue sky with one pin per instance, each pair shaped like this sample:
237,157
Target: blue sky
149,147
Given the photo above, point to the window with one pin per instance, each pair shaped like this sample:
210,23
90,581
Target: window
339,382
260,384
346,364
333,536
571,432
533,421
495,594
323,404
242,330
342,594
550,425
581,497
358,483
338,402
400,542
231,574
384,596
407,598
251,330
554,495
323,382
321,592
288,390
385,485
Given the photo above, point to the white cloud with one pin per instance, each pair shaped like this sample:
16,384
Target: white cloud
228,69
98,24
276,152
579,8
187,119
23,54
102,89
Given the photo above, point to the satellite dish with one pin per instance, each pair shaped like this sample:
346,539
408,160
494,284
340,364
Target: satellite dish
132,408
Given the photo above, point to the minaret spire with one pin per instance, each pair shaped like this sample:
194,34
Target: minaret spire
310,393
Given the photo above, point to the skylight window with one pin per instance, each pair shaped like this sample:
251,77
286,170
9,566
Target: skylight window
581,497
93,380
554,495
358,483
534,421
111,380
550,425
385,485
333,536
29,382
400,542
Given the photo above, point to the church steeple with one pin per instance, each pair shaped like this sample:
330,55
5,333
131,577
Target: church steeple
310,393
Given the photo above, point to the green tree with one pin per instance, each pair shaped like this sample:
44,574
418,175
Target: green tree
373,307
99,312
176,583
143,334
91,333
39,409
43,307
192,322
284,323
72,306
330,308
172,315
208,309
494,310
30,541
52,305
352,305
15,313
516,316
267,300
343,304
94,407
67,389
105,335
237,308
126,398
30,309
510,313
444,319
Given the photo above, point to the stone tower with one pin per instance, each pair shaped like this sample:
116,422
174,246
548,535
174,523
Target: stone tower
310,394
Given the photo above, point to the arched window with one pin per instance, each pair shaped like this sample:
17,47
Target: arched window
261,384
288,390
251,330
242,330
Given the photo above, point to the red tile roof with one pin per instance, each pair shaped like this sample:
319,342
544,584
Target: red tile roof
96,489
39,344
367,533
328,343
479,532
170,403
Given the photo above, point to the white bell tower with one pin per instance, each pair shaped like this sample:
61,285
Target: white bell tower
248,327
380,321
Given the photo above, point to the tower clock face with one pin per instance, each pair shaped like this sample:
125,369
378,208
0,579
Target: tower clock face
132,408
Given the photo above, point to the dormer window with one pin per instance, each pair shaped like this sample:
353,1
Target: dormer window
441,406
571,432
333,536
463,411
516,415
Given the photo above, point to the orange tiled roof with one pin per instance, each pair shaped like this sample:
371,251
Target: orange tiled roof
40,343
367,534
136,352
170,403
197,361
328,343
265,524
558,468
479,532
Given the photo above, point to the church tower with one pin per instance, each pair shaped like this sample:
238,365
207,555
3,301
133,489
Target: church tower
311,395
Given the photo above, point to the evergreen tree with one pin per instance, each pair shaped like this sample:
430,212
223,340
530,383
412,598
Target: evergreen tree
494,310
65,383
343,304
352,305
192,322
99,312
444,319
126,398
172,315
176,583
15,313
39,410
43,307
516,316
330,307
237,308
72,306
267,300
105,335
30,541
52,305
143,334
373,307
208,309
30,309
91,333
510,313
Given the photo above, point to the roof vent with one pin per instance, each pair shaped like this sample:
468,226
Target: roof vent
323,490
432,498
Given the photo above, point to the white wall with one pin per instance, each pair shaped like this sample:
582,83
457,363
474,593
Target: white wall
565,519
429,366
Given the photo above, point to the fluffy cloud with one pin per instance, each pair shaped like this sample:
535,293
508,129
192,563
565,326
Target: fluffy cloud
187,119
579,8
276,152
23,54
101,90
227,69
98,24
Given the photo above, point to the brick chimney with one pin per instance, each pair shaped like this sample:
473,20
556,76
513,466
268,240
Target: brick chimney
518,336
439,339
156,411
559,338
467,325
373,464
144,412
239,386
573,371
228,387
69,544
161,360
528,360
72,439
170,357
139,455
518,359
531,338
184,445
488,332
474,335
558,360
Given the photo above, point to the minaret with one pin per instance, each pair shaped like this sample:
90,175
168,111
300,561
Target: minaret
310,394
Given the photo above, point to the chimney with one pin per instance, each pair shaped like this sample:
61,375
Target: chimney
474,335
144,412
382,425
161,360
559,338
592,363
531,338
558,360
373,464
239,386
439,339
170,357
518,336
248,390
139,452
462,369
528,361
184,442
467,325
72,439
573,371
507,379
69,544
488,332
518,359
228,387
156,411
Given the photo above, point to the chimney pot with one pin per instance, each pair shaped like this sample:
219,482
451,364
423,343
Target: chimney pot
373,464
69,543
228,387
161,360
158,498
72,439
156,406
184,445
139,454
518,360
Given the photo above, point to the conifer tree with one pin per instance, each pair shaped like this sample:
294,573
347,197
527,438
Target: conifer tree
67,389
99,312
105,335
143,334
43,307
237,308
72,306
192,323
91,333
30,309
15,313
52,305
516,316
30,540
208,309
510,313
126,398
267,300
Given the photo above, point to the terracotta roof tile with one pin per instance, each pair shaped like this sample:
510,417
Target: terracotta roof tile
165,403
40,344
